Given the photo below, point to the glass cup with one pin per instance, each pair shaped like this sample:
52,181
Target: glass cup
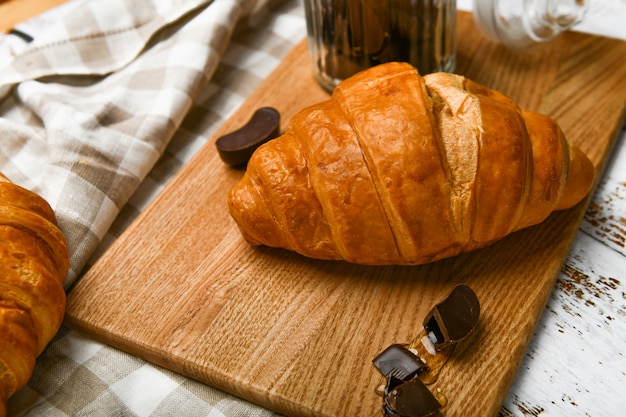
347,36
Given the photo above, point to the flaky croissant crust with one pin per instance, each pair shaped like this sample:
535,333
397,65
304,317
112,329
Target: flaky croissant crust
396,168
34,261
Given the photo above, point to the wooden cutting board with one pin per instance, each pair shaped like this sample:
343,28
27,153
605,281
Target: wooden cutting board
180,287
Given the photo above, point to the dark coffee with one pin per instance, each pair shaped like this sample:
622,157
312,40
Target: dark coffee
346,36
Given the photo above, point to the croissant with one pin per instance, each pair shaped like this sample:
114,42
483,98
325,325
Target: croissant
34,261
396,168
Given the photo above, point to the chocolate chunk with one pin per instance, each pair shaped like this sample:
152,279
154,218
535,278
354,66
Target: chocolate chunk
409,399
454,318
399,362
237,147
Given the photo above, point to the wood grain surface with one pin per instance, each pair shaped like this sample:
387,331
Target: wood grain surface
182,289
13,12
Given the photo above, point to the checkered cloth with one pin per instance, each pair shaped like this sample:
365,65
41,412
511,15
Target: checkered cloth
96,115
88,109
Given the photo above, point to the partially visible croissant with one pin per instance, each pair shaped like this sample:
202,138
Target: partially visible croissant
34,261
396,168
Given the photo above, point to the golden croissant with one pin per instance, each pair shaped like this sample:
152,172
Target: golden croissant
34,261
396,168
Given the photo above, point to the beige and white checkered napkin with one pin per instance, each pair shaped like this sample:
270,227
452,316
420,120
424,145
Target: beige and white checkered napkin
89,107
99,146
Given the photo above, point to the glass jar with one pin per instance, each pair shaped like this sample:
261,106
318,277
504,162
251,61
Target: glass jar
346,36
520,24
